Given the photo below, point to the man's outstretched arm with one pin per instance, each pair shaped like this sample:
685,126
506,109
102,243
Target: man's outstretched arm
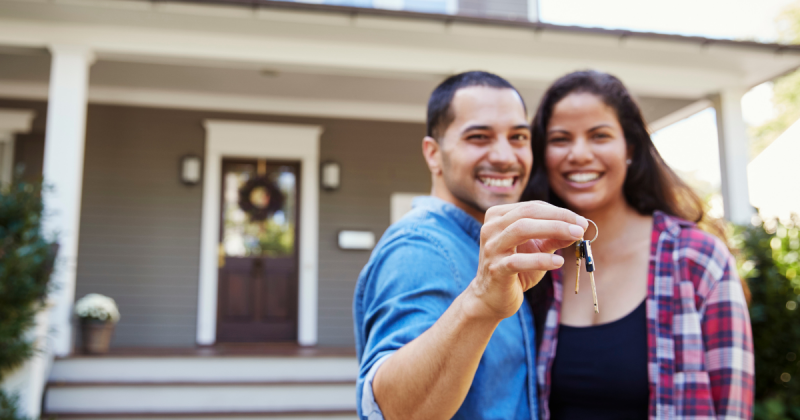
429,377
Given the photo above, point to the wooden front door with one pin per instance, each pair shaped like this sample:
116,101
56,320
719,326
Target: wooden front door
257,296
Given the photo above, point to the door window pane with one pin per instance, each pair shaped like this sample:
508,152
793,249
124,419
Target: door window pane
244,236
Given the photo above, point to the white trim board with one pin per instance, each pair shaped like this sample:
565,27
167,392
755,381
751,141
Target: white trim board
266,140
207,101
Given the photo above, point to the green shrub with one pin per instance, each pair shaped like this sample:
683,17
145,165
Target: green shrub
26,260
769,258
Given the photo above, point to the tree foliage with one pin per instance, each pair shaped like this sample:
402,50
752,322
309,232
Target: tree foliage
786,89
769,258
26,260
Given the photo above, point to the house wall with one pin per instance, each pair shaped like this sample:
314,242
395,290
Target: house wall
140,227
29,147
503,9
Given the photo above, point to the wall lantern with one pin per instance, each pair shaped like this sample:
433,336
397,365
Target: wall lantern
191,169
330,175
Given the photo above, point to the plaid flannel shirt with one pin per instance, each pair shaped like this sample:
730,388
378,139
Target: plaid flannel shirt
700,345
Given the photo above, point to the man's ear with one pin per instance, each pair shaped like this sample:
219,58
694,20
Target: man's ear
432,151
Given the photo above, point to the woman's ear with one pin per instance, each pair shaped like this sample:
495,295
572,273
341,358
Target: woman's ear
432,152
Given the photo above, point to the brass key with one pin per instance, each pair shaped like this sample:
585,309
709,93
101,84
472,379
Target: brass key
583,250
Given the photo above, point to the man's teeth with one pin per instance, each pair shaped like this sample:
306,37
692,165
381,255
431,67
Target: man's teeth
583,176
498,182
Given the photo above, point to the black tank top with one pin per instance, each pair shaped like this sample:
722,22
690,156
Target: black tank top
600,372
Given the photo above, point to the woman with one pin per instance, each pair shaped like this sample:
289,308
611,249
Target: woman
672,338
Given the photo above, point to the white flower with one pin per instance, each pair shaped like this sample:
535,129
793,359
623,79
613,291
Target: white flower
97,306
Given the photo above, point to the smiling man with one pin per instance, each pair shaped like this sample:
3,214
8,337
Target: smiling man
441,329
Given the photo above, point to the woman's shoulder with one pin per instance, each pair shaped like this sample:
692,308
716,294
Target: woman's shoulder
690,238
704,258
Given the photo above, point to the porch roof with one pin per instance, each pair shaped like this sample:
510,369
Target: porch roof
332,51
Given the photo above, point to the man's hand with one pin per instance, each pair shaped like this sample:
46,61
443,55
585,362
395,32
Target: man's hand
517,245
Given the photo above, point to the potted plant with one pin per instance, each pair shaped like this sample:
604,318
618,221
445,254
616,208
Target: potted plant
98,315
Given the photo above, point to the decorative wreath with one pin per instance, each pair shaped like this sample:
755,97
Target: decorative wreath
260,211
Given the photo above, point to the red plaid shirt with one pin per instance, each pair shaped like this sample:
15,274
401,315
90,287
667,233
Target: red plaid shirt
700,345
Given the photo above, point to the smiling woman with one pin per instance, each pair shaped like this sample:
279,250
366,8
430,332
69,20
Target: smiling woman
593,155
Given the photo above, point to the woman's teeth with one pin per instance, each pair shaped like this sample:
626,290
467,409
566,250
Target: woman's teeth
498,182
583,176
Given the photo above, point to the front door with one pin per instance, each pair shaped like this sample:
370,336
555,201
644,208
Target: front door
257,296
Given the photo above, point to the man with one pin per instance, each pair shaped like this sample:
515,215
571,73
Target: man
441,331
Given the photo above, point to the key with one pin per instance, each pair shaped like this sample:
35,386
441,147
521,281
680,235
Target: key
586,250
578,256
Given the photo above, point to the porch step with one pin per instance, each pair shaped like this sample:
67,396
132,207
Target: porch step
297,388
205,369
215,416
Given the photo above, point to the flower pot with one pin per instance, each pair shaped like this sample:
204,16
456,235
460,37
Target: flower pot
96,335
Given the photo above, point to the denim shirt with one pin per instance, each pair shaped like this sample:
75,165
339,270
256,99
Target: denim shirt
420,265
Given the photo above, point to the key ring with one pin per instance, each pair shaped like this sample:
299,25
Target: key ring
596,230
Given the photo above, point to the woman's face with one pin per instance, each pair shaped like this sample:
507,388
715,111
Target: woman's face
586,153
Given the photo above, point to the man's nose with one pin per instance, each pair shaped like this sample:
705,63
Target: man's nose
502,153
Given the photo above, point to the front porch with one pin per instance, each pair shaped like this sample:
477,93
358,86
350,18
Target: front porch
114,93
222,382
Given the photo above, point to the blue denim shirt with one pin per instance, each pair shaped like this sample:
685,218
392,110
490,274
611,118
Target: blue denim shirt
415,272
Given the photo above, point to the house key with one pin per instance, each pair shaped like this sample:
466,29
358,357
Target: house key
583,250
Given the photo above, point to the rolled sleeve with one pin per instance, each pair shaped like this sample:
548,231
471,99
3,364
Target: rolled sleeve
369,406
407,290
729,347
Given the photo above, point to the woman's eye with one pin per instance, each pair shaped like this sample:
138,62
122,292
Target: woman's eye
557,140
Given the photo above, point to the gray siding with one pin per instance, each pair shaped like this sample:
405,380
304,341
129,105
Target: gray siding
504,9
140,227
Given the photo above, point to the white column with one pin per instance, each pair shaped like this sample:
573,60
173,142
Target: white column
63,173
733,155
12,121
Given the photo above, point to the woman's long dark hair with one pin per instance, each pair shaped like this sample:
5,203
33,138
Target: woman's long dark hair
649,184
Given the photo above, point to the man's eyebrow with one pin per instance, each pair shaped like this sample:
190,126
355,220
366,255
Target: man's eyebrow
489,128
477,127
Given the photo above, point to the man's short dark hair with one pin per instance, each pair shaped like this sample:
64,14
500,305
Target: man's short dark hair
440,114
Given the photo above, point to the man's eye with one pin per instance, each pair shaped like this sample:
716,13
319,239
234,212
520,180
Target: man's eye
520,137
477,137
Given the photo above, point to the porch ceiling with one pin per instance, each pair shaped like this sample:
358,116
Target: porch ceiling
363,44
25,74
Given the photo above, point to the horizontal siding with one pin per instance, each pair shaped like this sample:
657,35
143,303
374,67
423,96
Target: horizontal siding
377,159
140,228
504,9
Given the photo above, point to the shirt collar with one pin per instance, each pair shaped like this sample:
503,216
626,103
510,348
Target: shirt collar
672,225
466,222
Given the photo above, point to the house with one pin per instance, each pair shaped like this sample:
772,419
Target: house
148,119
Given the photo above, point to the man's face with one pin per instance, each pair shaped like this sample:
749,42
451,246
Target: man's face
485,153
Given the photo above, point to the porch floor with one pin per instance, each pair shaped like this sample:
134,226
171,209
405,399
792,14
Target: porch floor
225,350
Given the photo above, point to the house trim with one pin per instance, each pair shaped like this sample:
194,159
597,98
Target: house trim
275,141
213,101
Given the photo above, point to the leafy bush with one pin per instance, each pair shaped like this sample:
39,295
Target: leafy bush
769,258
26,260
